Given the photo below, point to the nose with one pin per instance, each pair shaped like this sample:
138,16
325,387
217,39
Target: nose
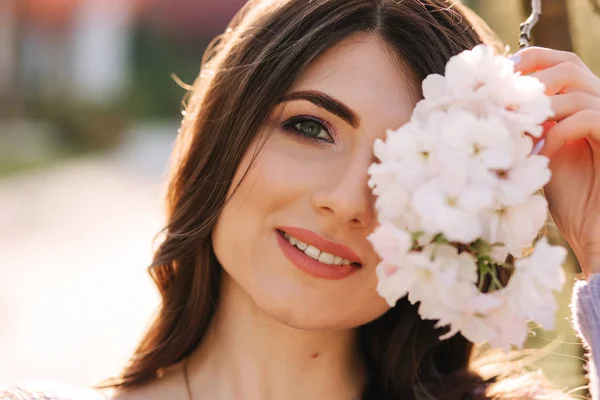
345,194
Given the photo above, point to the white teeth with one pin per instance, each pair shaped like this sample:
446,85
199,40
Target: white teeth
301,245
313,252
326,258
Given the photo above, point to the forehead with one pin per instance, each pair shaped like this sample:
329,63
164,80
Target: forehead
362,72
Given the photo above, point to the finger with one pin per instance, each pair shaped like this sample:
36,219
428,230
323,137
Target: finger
568,104
580,125
567,77
535,58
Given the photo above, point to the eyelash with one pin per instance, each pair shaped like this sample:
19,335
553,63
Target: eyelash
289,126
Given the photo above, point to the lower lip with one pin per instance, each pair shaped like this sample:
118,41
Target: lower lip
312,266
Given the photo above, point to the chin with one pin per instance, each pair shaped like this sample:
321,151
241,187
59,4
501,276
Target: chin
314,310
308,320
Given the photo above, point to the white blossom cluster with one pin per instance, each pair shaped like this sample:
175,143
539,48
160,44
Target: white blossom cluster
458,192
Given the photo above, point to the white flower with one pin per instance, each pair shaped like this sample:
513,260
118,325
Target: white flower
523,145
487,318
445,280
434,87
472,320
392,200
535,279
464,137
526,106
544,265
438,277
485,84
527,177
510,328
407,155
532,302
390,243
477,70
451,206
457,184
516,226
396,278
394,281
395,272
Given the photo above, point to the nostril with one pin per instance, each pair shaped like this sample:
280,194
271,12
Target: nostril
356,221
327,209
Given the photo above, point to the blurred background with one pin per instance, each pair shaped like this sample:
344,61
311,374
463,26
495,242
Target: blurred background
89,109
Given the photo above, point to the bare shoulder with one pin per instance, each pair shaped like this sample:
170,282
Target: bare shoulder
152,391
169,385
133,394
50,391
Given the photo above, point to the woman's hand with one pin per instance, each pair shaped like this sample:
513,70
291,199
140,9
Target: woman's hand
572,142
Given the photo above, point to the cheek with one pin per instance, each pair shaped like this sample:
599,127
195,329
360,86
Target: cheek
245,228
269,188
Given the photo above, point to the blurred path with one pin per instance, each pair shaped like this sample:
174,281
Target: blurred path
75,240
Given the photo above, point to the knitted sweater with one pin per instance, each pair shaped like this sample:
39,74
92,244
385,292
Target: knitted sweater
585,308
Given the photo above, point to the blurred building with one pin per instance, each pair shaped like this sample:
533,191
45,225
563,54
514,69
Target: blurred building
76,74
83,48
192,18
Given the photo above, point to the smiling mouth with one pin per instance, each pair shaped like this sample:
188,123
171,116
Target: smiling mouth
316,253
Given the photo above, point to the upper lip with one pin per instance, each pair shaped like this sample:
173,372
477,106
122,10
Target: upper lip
318,241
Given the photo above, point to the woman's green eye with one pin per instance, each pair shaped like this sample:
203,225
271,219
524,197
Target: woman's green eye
309,128
312,130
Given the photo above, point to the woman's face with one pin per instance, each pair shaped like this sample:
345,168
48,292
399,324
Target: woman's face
309,181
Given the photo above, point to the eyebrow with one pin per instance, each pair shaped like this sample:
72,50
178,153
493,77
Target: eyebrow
326,102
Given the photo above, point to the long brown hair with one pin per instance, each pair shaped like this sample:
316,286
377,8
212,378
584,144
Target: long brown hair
246,70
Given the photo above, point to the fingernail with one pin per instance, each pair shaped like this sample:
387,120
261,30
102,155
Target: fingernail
548,124
515,58
538,147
